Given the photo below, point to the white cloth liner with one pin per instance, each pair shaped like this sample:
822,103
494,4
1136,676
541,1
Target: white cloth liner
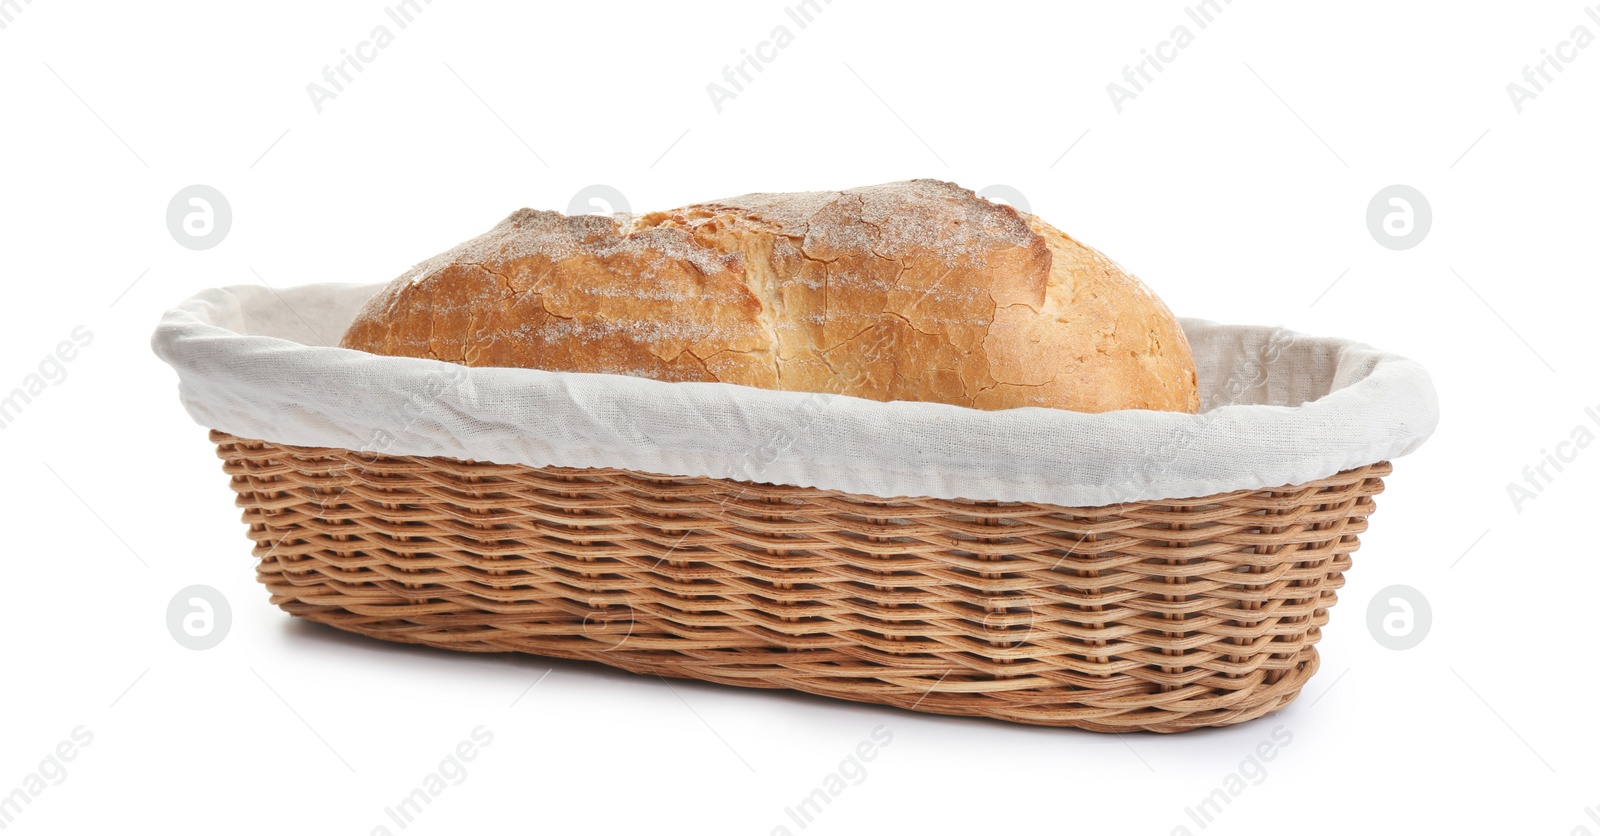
1278,408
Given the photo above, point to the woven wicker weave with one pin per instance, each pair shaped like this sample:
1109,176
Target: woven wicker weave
1162,616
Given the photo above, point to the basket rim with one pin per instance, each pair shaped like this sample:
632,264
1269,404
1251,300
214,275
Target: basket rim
1380,469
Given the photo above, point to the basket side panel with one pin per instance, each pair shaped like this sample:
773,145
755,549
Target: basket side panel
1157,616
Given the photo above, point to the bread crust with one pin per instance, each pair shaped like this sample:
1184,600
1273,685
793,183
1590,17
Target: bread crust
916,290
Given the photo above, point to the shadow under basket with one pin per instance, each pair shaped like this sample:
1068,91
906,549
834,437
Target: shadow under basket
1163,616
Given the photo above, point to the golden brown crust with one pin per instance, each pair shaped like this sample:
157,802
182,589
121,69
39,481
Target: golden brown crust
918,290
1099,340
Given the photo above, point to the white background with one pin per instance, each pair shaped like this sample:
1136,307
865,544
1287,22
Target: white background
1236,186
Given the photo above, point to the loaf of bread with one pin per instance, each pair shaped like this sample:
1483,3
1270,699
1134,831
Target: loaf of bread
917,290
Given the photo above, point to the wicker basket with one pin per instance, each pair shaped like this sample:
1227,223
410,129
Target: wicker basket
1162,616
